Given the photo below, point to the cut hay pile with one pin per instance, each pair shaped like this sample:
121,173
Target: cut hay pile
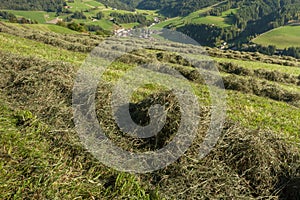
245,164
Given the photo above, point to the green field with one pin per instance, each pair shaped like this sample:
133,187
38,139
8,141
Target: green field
42,157
82,5
90,9
27,47
93,7
47,28
222,21
282,37
94,3
39,16
130,25
261,65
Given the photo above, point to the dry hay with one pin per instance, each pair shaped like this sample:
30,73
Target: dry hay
77,43
249,56
260,88
273,75
245,164
248,164
40,86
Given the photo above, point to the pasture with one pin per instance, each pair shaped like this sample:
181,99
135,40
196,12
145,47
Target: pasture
42,156
282,37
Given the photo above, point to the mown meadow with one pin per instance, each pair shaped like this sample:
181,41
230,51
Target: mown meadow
257,156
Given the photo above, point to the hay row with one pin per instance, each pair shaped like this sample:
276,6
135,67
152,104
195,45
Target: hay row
280,60
68,42
260,88
273,75
244,165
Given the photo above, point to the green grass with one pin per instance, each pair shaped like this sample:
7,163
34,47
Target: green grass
256,112
94,3
103,23
57,29
282,37
35,165
250,110
93,8
130,25
218,21
39,16
222,21
27,47
167,22
41,162
261,65
260,113
80,5
47,28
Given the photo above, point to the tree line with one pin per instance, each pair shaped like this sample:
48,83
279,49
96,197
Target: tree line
209,35
46,5
129,18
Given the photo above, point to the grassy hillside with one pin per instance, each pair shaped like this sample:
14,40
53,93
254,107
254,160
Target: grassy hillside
22,46
39,16
42,157
282,37
47,28
79,5
90,8
222,21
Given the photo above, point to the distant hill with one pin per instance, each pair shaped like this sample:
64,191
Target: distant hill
249,19
173,8
46,5
215,23
169,8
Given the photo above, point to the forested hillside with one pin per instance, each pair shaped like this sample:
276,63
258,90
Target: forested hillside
169,8
244,21
172,8
46,5
119,4
251,18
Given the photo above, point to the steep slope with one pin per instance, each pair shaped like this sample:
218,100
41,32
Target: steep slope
42,157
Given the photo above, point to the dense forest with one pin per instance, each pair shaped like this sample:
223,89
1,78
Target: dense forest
46,5
119,4
129,18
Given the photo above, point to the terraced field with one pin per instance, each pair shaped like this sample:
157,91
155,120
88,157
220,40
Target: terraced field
42,157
